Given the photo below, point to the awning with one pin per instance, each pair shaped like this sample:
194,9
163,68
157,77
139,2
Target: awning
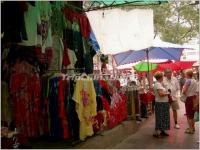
96,5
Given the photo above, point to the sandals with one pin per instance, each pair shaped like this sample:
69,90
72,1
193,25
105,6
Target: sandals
189,131
164,133
157,135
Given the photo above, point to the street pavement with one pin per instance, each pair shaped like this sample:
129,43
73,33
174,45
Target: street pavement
177,139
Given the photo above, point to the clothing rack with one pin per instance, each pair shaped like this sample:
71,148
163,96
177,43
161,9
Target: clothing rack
64,70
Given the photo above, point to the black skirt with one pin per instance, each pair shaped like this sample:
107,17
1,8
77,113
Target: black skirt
162,115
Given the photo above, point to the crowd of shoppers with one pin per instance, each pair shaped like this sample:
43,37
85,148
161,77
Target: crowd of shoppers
167,91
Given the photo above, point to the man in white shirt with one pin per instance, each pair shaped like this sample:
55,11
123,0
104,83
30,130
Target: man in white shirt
171,84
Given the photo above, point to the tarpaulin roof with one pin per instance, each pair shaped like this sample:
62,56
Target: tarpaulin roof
115,35
95,5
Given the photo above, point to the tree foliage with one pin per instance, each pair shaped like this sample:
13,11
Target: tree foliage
176,21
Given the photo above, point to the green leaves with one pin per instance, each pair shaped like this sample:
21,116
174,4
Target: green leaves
176,22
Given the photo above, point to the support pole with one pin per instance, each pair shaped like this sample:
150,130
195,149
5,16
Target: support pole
148,73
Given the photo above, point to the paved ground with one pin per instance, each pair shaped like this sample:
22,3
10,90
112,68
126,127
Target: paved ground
177,139
130,135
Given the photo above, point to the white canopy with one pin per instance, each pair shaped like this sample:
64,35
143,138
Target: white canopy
118,30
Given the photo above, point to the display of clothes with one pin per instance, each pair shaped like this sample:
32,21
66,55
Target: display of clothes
39,40
76,37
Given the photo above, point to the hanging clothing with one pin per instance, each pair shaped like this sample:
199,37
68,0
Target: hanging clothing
13,25
73,120
32,20
56,130
6,111
44,28
25,95
72,59
58,22
82,18
85,98
62,109
88,56
68,35
57,53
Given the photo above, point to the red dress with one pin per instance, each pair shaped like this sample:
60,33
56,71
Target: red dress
62,110
25,92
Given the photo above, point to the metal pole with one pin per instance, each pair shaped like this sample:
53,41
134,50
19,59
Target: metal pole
148,73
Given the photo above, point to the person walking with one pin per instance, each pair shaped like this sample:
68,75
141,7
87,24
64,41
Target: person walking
142,92
189,90
162,116
171,84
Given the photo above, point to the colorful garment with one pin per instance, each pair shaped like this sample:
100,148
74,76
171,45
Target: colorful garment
82,19
25,95
44,29
62,109
73,120
57,53
58,22
56,130
85,98
32,20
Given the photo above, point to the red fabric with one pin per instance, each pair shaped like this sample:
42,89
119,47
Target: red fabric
118,112
62,110
105,103
85,26
189,107
44,57
147,97
25,92
103,84
98,122
143,98
82,19
66,60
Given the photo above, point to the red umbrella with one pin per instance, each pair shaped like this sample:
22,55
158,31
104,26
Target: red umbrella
178,65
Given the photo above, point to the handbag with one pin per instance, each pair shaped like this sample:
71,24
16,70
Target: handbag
183,97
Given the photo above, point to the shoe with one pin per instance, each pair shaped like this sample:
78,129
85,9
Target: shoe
157,135
177,126
189,131
164,133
